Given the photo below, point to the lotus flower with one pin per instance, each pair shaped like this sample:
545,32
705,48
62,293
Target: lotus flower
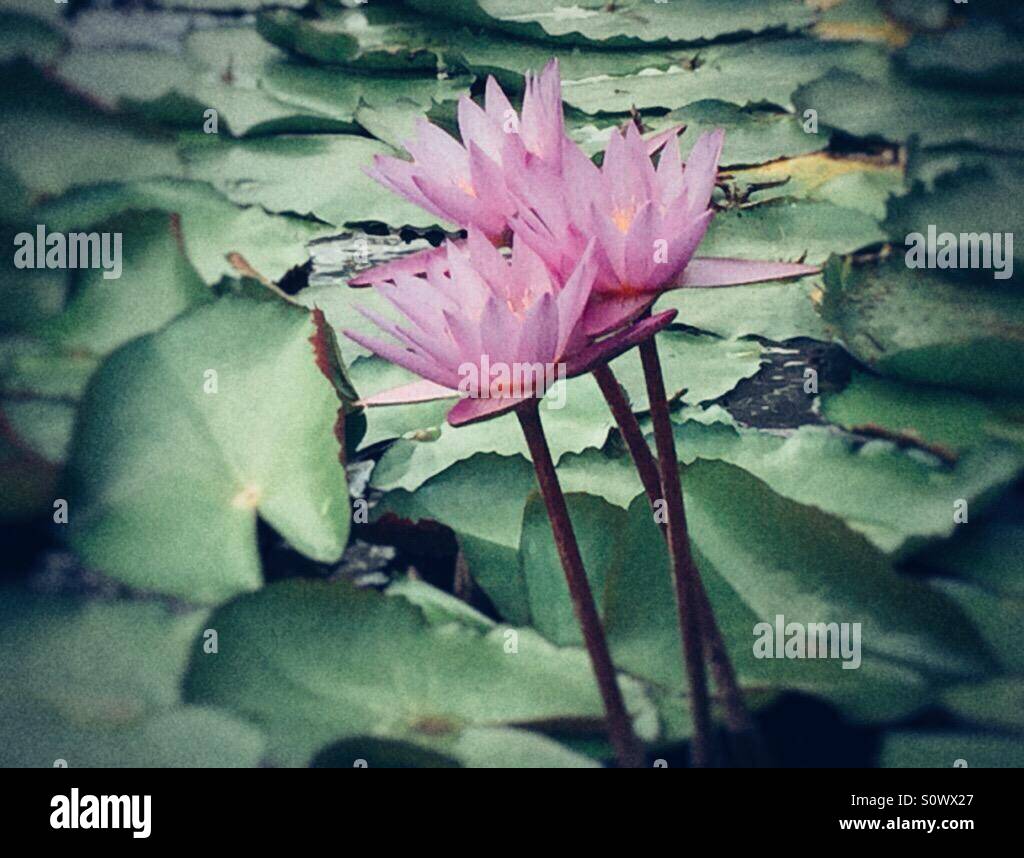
647,223
467,183
477,315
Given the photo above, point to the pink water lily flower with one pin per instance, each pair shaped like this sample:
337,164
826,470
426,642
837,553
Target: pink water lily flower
490,329
467,183
647,221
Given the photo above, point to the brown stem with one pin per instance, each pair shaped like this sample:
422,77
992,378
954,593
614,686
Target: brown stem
737,717
684,571
628,750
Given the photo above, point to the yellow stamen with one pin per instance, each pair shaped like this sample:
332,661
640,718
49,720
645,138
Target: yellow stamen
623,218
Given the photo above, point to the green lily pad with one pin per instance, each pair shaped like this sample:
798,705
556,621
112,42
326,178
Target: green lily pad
28,296
981,54
575,417
790,230
995,615
40,387
775,311
341,93
28,37
308,658
998,703
696,367
894,497
947,418
917,325
455,496
212,227
263,444
626,23
49,144
97,684
976,198
741,74
575,414
313,175
157,283
987,554
749,580
854,183
922,750
375,38
897,110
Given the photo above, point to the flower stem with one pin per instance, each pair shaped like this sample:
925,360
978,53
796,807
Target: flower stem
684,570
737,717
628,751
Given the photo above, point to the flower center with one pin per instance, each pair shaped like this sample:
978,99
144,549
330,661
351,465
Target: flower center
623,218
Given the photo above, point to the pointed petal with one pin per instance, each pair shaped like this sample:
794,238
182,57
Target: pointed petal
496,103
398,177
467,411
572,300
478,129
411,264
702,169
639,246
708,272
454,204
423,390
609,311
657,141
411,361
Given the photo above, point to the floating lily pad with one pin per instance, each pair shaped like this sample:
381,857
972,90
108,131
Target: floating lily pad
214,230
998,703
917,325
790,230
576,416
941,750
896,110
973,199
97,685
775,311
625,23
330,644
894,497
49,144
862,184
947,418
164,493
981,54
40,386
28,37
375,38
312,175
741,74
750,580
156,283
